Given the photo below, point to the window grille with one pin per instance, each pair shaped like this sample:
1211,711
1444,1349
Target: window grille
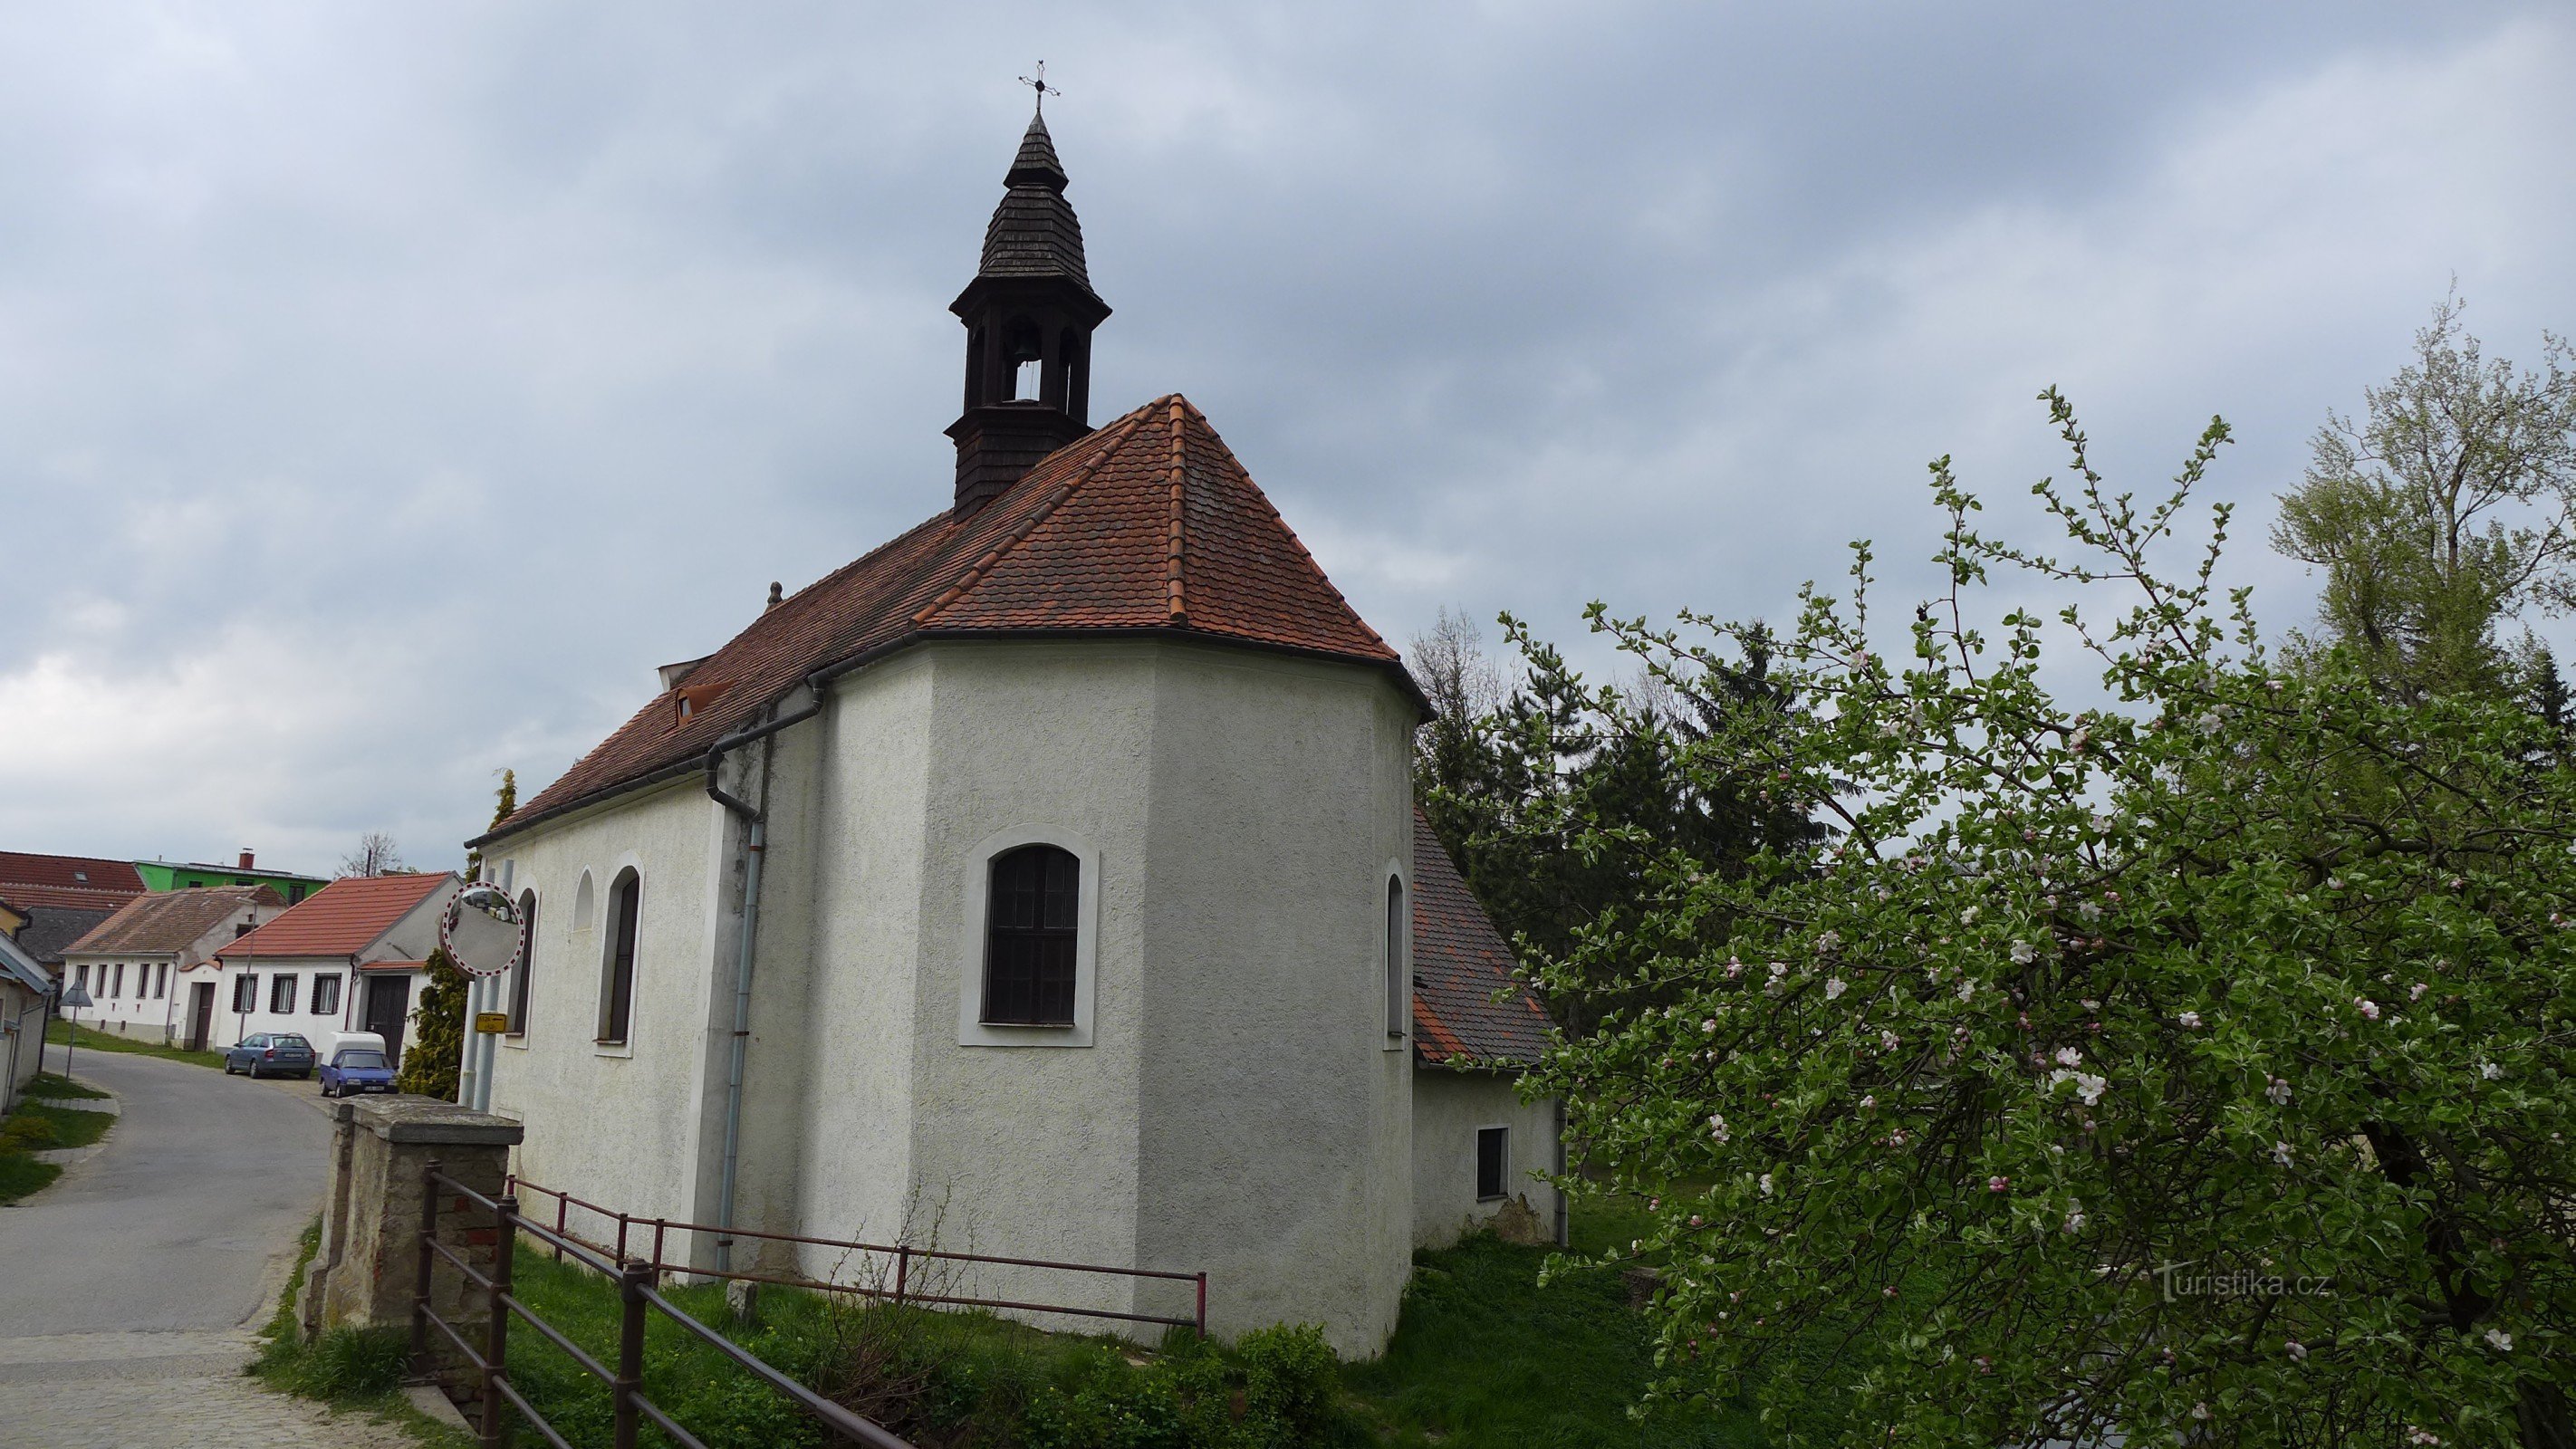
1030,935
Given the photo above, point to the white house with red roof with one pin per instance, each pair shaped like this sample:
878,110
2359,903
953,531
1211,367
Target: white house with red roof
141,965
1046,881
352,956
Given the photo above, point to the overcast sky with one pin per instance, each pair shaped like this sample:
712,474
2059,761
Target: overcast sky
385,390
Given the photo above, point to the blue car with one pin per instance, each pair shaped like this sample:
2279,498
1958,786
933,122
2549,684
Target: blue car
357,1065
270,1054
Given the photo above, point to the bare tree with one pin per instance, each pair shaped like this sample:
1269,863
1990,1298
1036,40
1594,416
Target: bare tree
376,855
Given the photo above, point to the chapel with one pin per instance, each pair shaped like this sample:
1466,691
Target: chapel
1044,883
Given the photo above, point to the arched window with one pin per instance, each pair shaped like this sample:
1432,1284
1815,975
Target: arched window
527,963
1030,926
617,981
583,910
1399,982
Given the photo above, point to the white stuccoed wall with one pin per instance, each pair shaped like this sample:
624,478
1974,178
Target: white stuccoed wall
620,1125
1448,1107
1276,1149
1237,1107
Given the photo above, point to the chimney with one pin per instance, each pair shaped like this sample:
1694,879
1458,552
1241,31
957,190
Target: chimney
245,858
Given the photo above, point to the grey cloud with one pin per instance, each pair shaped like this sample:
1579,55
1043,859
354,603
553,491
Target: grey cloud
388,389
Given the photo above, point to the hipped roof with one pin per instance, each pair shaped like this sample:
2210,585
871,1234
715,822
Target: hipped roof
1147,525
168,922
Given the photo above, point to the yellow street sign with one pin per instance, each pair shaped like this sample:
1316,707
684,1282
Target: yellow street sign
494,1021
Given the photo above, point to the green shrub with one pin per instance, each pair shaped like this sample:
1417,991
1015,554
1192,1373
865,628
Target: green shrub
1290,1380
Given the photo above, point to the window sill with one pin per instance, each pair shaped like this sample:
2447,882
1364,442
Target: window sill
1016,1034
612,1048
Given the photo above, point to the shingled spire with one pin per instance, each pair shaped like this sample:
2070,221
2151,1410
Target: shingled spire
1029,314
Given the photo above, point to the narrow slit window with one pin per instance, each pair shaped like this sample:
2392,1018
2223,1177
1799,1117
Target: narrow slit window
527,963
1493,1161
1031,930
1399,981
617,994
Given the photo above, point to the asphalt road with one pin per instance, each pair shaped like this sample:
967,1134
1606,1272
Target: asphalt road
186,1219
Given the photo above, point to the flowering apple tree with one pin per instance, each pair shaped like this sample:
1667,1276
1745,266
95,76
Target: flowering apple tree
2190,1060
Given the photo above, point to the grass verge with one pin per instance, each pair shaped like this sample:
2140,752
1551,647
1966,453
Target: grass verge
1484,1357
351,1370
81,1038
40,1126
937,1379
61,1088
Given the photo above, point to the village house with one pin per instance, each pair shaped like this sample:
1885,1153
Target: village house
350,957
61,898
26,996
1046,881
141,965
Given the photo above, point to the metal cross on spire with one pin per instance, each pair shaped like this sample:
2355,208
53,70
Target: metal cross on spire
1038,84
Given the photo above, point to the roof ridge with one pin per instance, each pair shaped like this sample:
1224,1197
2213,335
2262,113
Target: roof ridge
1299,544
1173,549
982,567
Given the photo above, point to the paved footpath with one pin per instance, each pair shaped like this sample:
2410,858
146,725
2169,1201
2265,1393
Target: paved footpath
130,1289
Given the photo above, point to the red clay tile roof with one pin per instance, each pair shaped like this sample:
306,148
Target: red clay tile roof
1467,1009
170,921
1149,523
67,880
341,919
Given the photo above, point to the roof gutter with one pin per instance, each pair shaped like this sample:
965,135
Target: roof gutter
756,849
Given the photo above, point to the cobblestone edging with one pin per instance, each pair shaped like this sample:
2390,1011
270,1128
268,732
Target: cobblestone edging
64,1157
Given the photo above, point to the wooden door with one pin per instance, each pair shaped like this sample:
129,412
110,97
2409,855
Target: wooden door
201,1014
388,1006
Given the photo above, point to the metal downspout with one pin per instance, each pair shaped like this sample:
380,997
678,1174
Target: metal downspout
756,850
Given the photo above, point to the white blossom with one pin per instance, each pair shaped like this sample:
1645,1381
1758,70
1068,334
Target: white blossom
2068,1056
1888,1040
2090,1087
2200,1411
2491,1071
1967,988
1766,1184
2075,1218
1717,1126
2369,1008
2189,1018
2281,1153
2023,953
2499,1340
1834,988
2278,1093
2298,1351
1968,917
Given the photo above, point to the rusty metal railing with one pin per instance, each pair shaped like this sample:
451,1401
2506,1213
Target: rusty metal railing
904,1256
636,1295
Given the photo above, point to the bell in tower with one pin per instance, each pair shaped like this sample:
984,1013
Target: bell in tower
1028,314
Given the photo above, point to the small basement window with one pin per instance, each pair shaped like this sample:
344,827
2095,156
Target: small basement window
1493,1162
